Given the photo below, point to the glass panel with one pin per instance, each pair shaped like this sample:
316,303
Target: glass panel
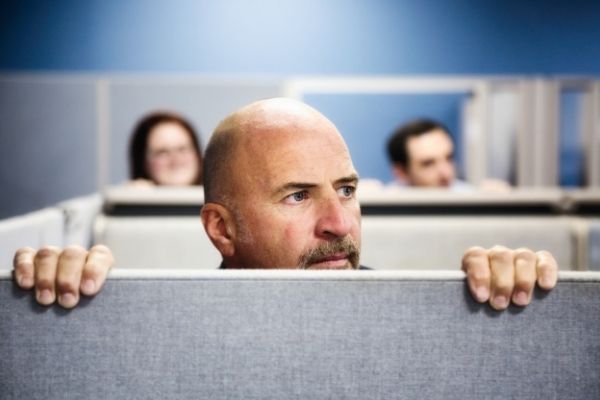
571,139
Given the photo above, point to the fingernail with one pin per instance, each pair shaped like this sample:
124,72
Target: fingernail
44,296
547,281
521,298
482,294
67,300
500,302
88,286
25,281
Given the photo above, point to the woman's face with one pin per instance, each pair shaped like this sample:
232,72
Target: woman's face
170,156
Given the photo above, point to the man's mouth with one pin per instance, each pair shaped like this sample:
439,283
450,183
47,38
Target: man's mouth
335,261
342,253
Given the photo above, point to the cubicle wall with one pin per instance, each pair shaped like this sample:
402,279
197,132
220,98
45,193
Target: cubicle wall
301,335
439,242
157,242
48,141
594,245
387,242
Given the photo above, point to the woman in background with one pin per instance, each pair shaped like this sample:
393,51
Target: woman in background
165,150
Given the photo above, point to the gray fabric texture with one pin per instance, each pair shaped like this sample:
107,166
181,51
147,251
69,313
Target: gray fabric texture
300,339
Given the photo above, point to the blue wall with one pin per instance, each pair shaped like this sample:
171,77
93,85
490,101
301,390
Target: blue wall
302,37
273,38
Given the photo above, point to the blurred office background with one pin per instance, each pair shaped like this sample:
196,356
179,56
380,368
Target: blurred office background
76,75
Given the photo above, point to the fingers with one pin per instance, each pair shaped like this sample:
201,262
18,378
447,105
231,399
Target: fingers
476,265
547,270
99,261
23,267
525,276
68,275
62,275
45,263
501,275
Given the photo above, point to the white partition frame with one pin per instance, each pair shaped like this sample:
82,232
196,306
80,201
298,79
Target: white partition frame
591,133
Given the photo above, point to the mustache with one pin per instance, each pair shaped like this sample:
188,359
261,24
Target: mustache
328,249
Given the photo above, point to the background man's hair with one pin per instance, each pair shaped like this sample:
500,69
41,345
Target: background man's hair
396,145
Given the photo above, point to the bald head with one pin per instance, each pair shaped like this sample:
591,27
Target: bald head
279,190
251,126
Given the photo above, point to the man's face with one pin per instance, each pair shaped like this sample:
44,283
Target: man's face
430,160
295,202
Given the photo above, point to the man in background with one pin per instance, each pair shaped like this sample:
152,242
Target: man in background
422,155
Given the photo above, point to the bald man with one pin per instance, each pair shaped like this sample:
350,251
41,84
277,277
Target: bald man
280,192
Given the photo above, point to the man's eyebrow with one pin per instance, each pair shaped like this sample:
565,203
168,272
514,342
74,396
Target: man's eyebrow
292,186
353,178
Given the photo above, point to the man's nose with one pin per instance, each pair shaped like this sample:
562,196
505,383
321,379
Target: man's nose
334,219
446,171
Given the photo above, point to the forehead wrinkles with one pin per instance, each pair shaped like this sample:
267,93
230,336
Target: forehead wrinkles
277,158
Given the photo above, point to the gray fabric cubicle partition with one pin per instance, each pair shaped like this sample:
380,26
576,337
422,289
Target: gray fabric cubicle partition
300,334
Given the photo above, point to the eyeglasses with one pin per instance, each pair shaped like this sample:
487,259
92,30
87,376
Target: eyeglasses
166,153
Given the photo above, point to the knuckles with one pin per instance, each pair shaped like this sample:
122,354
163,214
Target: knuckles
46,252
525,254
73,253
500,255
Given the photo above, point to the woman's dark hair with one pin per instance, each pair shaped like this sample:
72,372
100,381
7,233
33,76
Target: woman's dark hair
139,143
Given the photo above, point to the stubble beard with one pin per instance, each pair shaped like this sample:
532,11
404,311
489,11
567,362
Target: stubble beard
344,245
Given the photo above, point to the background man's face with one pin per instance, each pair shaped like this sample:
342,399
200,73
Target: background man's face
296,205
431,160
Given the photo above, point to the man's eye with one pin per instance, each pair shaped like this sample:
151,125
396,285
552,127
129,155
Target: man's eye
347,191
296,197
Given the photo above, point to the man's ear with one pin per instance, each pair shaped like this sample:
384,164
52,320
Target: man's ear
400,173
220,228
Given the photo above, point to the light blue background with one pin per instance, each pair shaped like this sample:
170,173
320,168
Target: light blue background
302,37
